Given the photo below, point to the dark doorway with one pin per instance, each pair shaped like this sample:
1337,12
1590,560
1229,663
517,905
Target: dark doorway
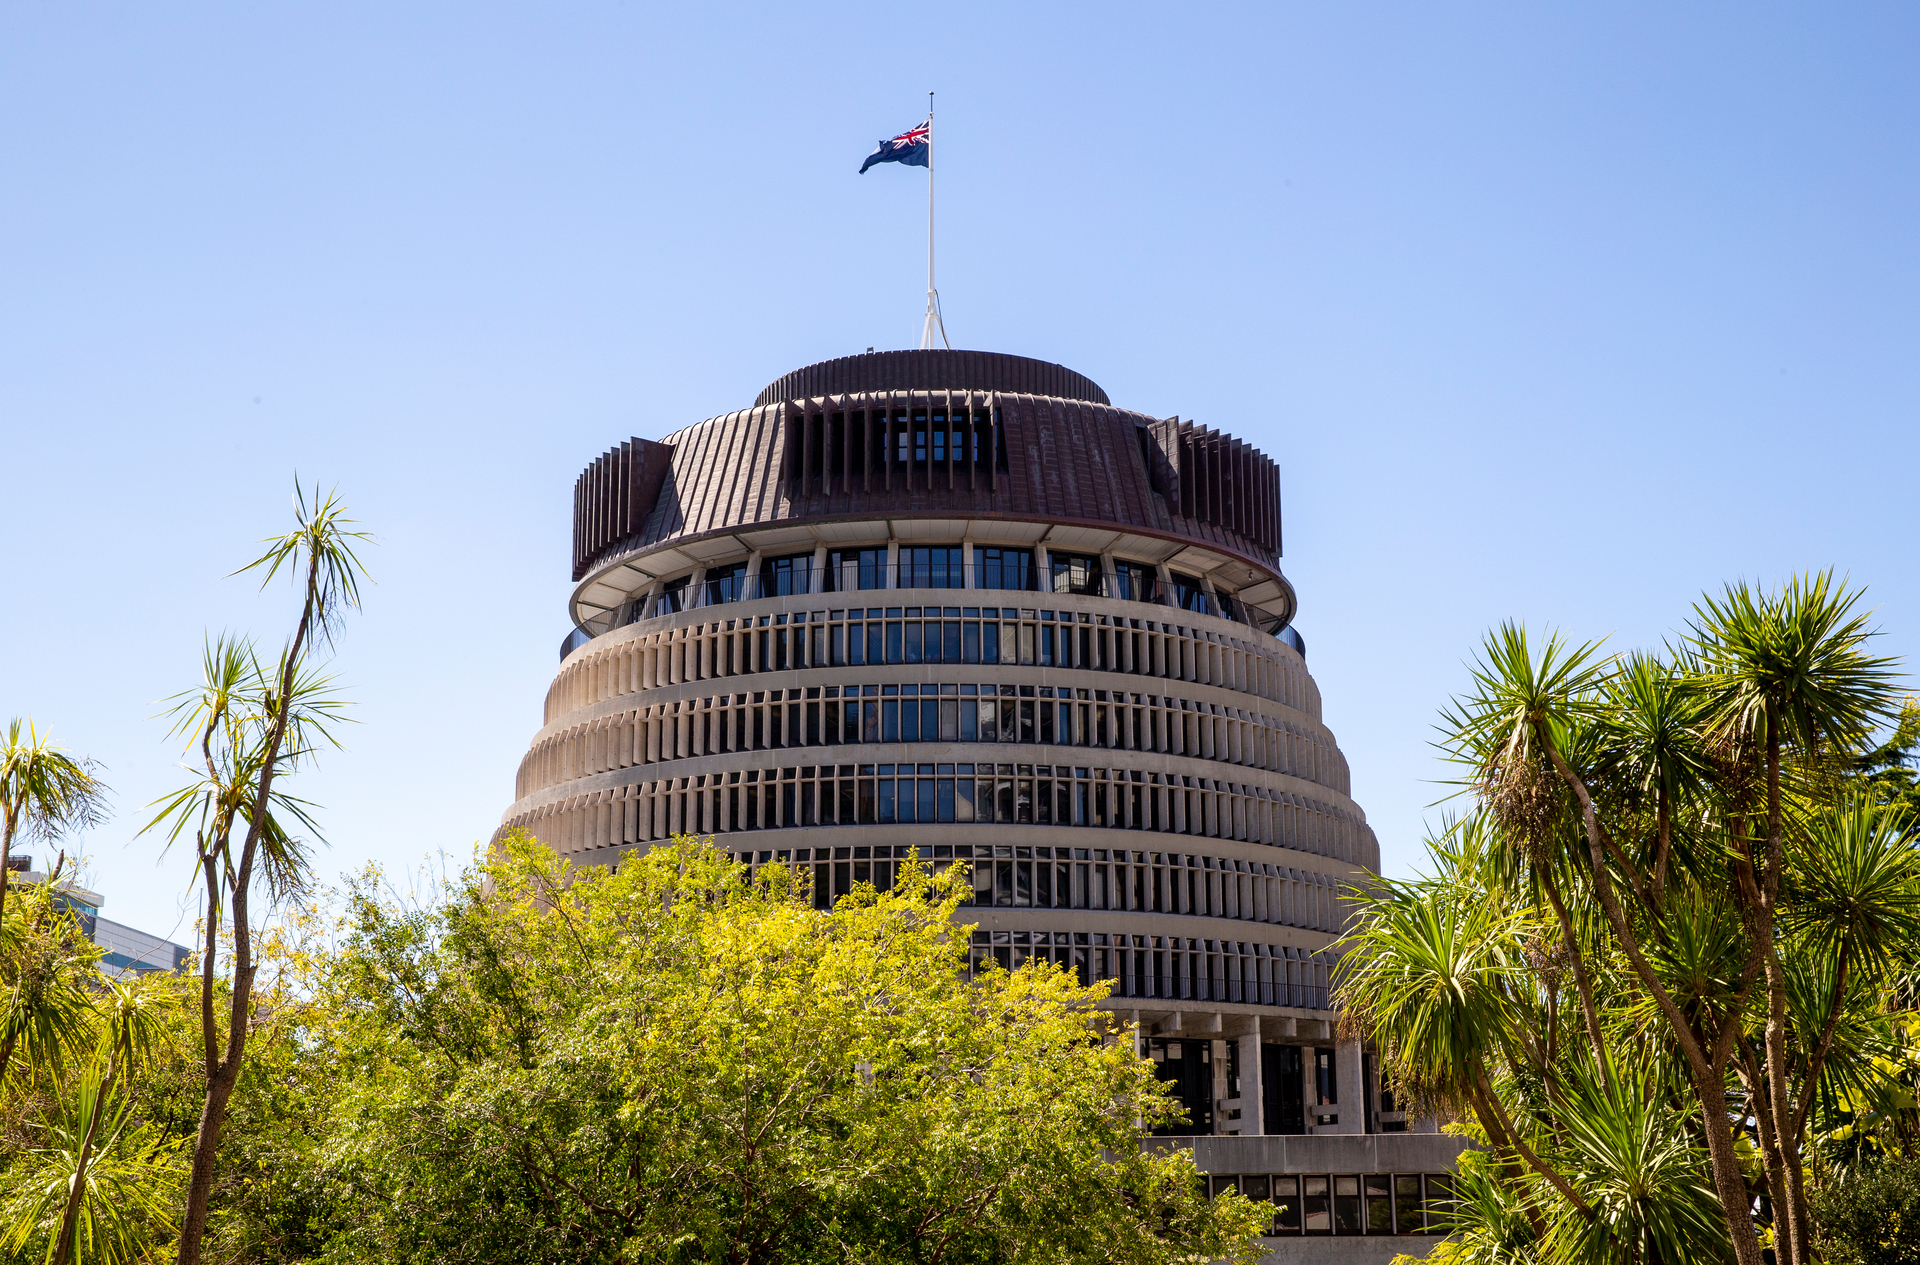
1187,1068
1281,1078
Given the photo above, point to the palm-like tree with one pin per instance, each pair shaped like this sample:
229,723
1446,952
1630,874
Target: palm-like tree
1785,674
1430,982
247,724
51,973
44,792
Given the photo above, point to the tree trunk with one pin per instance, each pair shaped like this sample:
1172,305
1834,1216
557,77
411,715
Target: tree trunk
1710,1087
1776,1032
1771,1167
1707,1071
1587,1007
206,1150
6,876
206,1143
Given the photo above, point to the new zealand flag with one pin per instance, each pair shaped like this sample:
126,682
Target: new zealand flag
909,147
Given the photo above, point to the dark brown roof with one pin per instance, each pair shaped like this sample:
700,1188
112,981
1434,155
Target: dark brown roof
935,371
834,457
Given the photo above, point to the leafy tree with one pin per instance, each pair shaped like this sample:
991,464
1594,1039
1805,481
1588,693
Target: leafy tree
677,1061
1873,1219
1887,774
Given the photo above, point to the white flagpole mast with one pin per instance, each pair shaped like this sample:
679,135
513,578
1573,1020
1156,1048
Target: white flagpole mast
934,323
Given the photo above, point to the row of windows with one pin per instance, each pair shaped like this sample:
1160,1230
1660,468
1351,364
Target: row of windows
1007,794
1012,876
1141,966
930,567
1168,967
957,712
1342,1203
931,634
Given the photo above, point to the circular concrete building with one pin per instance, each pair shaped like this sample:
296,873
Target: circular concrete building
960,603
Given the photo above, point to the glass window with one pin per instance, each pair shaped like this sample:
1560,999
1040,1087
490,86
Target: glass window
998,568
1076,573
1439,1202
726,584
1189,594
1259,1189
1286,1205
850,570
1137,581
673,596
783,577
932,567
1375,1188
1346,1205
1316,1205
1407,1204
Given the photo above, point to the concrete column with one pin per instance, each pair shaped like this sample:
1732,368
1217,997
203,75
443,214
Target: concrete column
968,580
697,588
1350,1069
1213,598
892,577
819,584
1109,575
1166,583
753,575
1252,1101
1043,564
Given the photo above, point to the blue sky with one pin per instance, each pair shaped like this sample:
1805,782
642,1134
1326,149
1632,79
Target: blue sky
1561,313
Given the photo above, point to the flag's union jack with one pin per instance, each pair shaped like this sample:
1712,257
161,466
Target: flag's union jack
910,147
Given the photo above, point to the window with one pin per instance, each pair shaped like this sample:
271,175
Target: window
996,568
1186,1067
1346,1205
1326,1080
1316,1206
1189,594
932,567
1407,1204
784,577
1138,581
850,570
726,584
1377,1204
673,596
1077,573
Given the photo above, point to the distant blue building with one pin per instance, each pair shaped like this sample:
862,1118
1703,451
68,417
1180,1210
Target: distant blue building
128,950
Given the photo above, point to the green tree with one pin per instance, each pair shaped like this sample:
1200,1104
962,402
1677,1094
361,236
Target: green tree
677,1061
1677,847
44,792
1873,1219
247,724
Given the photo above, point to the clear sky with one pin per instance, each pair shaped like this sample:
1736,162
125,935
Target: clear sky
1556,312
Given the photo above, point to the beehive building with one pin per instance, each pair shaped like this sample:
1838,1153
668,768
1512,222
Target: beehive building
960,602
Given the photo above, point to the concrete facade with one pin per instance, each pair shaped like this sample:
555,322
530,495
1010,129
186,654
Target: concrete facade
1036,635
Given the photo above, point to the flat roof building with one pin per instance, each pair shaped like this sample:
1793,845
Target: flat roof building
125,951
959,602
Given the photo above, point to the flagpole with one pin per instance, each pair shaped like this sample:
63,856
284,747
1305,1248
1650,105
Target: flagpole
933,323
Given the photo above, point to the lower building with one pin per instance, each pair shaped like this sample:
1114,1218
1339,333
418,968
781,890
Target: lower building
125,951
